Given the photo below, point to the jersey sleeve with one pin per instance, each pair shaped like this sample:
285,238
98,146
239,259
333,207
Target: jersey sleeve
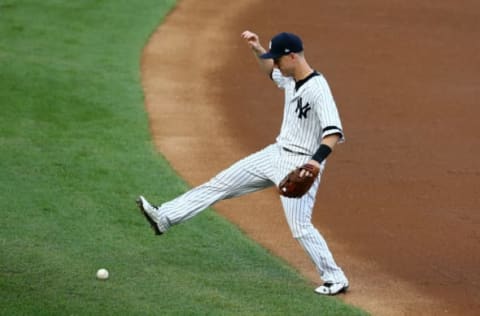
279,79
327,111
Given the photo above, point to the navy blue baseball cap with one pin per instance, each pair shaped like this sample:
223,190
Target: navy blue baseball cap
283,44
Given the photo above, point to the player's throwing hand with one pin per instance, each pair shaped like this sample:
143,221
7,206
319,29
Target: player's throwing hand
252,40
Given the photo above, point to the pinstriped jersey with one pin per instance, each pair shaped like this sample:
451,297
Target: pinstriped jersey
310,113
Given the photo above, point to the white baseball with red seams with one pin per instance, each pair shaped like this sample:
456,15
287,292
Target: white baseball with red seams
102,274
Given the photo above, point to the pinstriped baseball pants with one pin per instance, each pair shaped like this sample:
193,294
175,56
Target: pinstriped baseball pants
260,170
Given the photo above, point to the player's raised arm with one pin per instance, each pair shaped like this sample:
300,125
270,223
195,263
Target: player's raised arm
266,65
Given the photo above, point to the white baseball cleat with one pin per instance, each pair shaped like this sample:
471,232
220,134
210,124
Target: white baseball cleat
332,288
149,211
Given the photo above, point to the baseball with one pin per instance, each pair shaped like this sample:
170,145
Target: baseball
102,274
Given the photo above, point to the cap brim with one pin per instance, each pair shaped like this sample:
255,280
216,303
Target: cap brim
269,55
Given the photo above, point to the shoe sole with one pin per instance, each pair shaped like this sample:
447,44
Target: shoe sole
149,219
344,290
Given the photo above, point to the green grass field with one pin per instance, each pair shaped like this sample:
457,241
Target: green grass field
75,151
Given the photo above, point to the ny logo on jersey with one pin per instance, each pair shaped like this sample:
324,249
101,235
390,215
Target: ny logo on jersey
302,110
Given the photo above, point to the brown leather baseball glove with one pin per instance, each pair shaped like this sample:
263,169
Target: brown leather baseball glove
294,186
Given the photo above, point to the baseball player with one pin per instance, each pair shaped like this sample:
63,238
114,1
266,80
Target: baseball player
310,129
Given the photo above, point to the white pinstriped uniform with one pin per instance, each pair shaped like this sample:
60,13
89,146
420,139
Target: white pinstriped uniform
309,115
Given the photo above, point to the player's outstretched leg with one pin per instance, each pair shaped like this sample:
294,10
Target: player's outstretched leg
237,180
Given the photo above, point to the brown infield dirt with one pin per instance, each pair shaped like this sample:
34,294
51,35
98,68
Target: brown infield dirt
399,201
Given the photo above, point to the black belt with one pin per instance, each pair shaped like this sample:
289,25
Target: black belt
294,152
